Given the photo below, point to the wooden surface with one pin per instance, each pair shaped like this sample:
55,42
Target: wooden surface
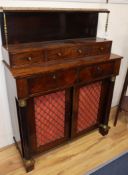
37,69
75,158
43,52
36,46
52,9
32,80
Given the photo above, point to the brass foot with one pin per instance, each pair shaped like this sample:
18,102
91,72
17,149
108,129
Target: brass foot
29,164
104,129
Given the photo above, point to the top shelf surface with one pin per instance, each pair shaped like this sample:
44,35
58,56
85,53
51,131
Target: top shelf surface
52,9
24,47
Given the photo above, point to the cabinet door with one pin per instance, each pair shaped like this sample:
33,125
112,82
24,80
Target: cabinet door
51,115
86,107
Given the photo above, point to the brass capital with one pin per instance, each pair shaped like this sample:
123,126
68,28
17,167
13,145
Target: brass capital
113,79
22,103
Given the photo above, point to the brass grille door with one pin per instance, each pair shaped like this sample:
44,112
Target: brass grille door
87,106
51,119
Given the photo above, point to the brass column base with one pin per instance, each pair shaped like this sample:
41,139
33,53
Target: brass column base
28,164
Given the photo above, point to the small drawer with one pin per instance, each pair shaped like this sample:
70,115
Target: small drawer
53,80
56,54
80,51
96,71
101,49
27,58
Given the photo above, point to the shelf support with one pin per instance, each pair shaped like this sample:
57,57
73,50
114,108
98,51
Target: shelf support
5,30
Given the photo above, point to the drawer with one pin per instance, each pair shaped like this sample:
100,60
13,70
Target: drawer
101,49
27,58
96,71
79,51
56,54
53,80
67,53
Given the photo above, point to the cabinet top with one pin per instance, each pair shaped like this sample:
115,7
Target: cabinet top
52,9
36,46
60,65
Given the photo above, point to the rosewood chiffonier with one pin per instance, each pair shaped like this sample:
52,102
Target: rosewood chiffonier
60,76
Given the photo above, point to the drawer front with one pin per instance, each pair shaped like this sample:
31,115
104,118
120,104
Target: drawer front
60,53
27,58
79,51
53,80
56,54
96,71
101,49
67,53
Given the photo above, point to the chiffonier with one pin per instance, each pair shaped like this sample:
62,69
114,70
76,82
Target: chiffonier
60,76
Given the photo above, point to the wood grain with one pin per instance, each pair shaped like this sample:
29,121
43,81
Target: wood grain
49,67
42,52
76,158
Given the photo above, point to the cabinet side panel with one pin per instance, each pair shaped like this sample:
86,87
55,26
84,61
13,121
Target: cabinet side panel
5,55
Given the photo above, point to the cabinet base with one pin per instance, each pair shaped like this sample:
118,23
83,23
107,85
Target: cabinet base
104,129
28,164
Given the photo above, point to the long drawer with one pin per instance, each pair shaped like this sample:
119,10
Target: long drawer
64,78
59,79
52,80
96,71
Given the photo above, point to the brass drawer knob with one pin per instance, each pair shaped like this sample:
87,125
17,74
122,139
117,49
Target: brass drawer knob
101,48
79,51
99,69
54,76
59,54
29,58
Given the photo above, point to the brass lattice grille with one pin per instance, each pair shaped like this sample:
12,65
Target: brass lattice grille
49,117
89,99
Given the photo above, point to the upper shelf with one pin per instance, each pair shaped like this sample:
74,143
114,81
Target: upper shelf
52,9
27,25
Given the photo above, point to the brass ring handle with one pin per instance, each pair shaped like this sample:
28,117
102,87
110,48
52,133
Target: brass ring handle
79,50
29,58
59,54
